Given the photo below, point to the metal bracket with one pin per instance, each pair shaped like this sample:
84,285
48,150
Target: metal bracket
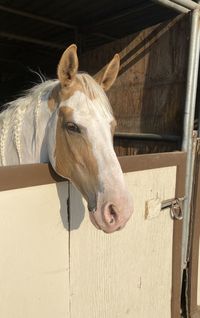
175,206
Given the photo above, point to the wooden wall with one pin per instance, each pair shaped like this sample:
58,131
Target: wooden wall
149,94
193,288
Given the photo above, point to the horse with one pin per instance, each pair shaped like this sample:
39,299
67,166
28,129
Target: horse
69,122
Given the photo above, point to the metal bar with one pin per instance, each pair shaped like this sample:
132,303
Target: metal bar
166,204
175,206
187,4
31,40
146,136
191,90
172,5
37,17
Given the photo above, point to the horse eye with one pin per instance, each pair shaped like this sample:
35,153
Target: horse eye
72,127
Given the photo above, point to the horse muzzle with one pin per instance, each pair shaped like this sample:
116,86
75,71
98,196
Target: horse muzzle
110,218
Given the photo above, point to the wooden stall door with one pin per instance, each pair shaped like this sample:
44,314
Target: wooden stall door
54,263
128,273
34,257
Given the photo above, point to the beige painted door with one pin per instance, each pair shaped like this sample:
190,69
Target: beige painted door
128,273
34,258
48,272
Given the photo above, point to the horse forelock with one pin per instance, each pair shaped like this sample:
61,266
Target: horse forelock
83,83
95,92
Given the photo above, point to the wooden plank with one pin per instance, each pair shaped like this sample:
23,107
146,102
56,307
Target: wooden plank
34,257
14,177
22,176
194,250
198,278
196,315
128,273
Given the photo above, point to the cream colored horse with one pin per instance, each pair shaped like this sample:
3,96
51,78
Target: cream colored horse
69,122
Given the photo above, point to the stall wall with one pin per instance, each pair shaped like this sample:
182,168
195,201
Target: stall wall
149,93
34,255
129,273
54,263
198,279
193,290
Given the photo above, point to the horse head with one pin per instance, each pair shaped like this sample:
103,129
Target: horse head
80,141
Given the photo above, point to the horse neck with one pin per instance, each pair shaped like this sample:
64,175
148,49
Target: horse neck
23,129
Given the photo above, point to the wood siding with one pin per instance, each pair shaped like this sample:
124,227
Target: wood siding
149,94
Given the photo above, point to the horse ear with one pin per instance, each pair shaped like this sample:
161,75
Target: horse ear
68,66
107,78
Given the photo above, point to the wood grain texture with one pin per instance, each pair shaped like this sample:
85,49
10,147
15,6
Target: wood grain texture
34,259
196,314
149,93
128,273
198,279
127,147
194,239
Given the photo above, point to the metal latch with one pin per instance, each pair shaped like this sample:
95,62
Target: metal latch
175,206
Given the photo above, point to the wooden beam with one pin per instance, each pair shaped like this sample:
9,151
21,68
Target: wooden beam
27,39
117,16
51,21
37,17
104,36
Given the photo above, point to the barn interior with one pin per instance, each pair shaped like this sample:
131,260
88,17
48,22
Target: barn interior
148,97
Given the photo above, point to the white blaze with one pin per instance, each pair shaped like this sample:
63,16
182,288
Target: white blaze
94,118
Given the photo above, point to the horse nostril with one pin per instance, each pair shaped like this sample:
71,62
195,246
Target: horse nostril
110,214
112,220
113,214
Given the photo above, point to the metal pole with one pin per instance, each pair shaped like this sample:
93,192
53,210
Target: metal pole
182,6
191,90
187,4
147,136
172,5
